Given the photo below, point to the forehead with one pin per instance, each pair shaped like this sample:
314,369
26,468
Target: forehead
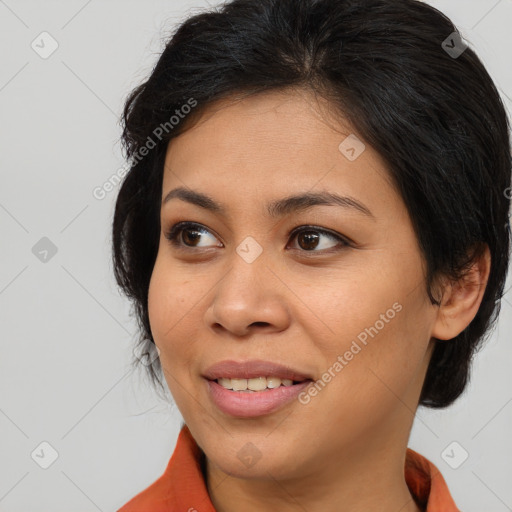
271,144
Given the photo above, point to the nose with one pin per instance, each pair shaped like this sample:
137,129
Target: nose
250,297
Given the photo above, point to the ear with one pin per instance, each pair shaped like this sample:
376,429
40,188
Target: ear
461,299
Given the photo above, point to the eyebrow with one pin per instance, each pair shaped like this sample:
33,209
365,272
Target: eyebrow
277,208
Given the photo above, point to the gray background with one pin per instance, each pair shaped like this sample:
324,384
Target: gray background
66,332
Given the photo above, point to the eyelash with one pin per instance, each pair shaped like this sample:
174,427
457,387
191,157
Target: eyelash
173,233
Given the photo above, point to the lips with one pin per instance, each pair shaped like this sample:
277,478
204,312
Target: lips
253,369
243,403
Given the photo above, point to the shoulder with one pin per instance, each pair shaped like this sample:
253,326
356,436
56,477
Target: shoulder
181,484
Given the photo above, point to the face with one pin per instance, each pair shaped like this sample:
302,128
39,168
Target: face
328,293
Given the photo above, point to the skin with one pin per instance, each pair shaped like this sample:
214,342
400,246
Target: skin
345,449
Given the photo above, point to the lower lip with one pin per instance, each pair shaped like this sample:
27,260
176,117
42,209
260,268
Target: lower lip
250,405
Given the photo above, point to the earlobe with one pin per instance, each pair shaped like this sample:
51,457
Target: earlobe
461,299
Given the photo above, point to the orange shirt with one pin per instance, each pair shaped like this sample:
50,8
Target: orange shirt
182,487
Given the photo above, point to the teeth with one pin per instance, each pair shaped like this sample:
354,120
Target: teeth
239,384
255,384
225,383
273,382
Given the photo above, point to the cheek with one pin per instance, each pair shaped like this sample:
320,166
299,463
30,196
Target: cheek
378,321
171,305
350,306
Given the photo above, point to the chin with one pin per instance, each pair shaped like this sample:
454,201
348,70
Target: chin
246,459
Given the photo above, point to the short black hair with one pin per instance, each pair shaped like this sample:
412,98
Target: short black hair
435,117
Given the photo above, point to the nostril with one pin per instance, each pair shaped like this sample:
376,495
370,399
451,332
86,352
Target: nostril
260,324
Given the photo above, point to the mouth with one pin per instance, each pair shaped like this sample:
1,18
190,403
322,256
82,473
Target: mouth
253,388
255,384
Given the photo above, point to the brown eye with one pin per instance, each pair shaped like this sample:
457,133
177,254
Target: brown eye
310,239
188,235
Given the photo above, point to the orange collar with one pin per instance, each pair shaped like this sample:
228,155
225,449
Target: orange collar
426,484
182,487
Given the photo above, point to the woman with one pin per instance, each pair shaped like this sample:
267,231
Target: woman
314,234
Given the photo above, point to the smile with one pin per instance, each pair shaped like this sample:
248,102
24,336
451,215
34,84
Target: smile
249,389
255,384
251,404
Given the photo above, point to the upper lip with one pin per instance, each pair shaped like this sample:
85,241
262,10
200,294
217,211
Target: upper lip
251,369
